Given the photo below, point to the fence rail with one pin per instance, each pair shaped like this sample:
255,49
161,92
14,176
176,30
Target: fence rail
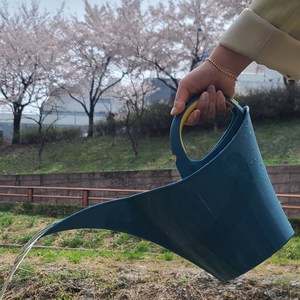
290,207
32,193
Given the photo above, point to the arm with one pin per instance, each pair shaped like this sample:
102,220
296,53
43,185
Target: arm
268,33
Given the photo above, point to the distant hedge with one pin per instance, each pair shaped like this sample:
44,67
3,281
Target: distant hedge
31,136
156,121
276,104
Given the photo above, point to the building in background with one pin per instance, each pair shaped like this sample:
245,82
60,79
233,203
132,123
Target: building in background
69,112
258,77
163,91
65,112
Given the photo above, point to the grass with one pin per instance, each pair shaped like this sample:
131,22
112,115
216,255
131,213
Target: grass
85,242
62,270
89,243
279,144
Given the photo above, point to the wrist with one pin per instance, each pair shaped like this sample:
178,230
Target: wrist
221,69
229,61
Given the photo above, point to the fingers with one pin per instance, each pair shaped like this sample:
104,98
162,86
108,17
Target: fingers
212,110
200,111
210,104
193,118
221,102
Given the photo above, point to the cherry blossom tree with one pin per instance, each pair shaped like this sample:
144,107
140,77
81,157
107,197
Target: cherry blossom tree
173,37
28,53
132,28
185,34
89,57
91,61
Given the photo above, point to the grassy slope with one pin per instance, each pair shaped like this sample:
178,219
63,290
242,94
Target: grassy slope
279,144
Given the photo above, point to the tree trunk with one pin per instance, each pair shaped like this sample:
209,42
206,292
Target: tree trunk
130,130
134,140
17,125
41,145
91,123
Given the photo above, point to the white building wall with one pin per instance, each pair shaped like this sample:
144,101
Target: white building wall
258,77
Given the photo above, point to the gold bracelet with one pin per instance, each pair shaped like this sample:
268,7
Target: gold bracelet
221,69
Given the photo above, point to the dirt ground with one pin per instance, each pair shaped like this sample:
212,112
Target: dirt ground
104,278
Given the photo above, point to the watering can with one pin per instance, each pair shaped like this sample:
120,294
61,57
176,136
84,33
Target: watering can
223,215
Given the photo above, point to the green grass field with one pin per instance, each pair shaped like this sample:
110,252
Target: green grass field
17,229
279,144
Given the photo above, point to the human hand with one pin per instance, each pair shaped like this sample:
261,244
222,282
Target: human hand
213,84
202,80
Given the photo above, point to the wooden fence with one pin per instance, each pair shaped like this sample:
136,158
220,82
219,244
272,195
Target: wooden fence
83,196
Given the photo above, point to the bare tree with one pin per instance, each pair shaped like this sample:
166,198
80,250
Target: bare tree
133,95
28,52
43,110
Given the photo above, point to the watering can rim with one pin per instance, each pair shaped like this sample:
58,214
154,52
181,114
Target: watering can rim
187,166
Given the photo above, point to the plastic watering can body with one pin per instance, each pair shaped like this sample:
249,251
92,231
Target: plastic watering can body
223,215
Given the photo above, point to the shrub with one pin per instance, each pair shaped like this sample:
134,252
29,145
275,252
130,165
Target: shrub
61,134
156,120
31,135
103,128
278,103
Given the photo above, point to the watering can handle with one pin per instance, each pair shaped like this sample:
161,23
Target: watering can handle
185,165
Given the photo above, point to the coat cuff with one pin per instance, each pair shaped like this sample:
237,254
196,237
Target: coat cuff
256,38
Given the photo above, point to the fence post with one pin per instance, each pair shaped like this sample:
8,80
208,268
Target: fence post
85,198
30,195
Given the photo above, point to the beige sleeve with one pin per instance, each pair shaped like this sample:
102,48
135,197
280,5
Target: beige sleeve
269,33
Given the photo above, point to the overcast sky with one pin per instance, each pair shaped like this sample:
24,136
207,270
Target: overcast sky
71,6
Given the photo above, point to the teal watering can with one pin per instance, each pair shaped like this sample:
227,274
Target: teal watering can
223,215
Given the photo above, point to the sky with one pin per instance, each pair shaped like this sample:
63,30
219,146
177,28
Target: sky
71,6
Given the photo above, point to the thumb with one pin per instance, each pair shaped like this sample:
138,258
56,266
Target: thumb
181,98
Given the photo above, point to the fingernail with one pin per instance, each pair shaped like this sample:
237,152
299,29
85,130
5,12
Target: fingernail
196,116
211,89
205,97
173,111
